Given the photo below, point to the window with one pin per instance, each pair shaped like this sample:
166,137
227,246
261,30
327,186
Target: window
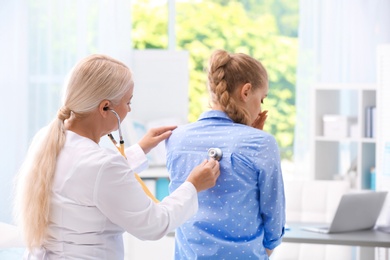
266,30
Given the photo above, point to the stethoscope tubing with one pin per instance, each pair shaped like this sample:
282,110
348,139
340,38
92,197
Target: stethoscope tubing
121,141
121,149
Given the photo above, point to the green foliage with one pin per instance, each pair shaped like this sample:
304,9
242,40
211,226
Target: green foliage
150,26
236,26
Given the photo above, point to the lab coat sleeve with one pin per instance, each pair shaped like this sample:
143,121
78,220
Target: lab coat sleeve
119,196
136,158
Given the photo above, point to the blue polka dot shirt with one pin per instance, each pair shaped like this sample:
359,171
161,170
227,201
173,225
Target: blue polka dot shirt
245,212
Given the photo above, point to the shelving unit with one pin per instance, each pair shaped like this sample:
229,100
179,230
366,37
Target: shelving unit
333,155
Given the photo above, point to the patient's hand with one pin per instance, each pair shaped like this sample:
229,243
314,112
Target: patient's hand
260,120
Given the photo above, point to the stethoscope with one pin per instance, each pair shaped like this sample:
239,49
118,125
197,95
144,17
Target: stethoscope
213,153
121,149
121,145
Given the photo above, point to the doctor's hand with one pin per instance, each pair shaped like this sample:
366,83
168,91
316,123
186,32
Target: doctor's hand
205,175
260,120
154,136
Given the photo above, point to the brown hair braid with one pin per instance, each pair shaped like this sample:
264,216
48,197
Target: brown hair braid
226,73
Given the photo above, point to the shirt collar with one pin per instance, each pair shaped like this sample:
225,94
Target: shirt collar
76,138
214,114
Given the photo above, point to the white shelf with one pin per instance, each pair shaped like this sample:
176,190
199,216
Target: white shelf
345,86
154,172
345,139
333,156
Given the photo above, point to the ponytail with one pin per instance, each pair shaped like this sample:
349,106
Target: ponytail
35,179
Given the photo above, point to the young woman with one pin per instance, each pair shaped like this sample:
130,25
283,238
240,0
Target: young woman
74,198
243,216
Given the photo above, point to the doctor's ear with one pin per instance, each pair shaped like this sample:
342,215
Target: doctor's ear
104,105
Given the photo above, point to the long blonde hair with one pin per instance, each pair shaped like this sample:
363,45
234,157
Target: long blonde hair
226,73
92,80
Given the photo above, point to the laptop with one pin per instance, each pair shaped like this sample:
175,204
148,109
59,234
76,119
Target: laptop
356,211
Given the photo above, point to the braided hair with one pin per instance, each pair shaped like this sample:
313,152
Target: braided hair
226,73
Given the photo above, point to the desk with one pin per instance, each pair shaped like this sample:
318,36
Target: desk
365,238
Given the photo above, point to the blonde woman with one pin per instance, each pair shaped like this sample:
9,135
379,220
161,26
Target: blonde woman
243,216
74,198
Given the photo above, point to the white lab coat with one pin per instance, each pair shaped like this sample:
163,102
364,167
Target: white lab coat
96,198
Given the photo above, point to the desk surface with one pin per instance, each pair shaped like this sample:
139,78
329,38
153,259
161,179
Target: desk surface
366,238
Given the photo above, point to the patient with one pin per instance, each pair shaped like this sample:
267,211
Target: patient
243,216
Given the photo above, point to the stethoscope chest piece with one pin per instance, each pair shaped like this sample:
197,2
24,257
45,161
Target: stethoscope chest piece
215,153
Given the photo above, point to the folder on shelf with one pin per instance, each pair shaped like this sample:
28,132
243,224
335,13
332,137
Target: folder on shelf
370,121
162,188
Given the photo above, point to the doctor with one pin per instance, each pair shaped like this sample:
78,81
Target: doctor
75,199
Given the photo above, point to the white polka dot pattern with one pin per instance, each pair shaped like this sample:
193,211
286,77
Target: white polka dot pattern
245,212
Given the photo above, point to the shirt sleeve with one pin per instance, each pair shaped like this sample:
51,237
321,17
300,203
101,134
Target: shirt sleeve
120,197
272,199
136,158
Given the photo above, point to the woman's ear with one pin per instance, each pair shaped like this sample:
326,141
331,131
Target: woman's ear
245,91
